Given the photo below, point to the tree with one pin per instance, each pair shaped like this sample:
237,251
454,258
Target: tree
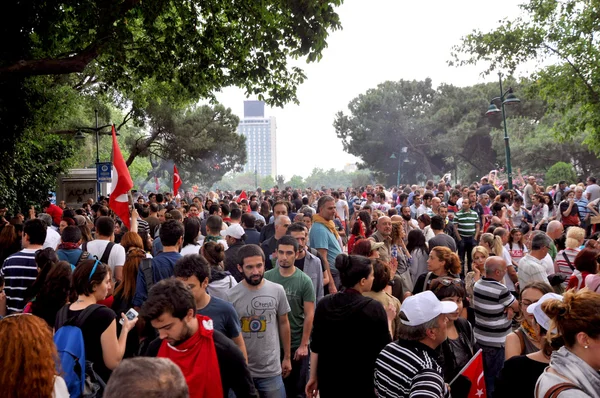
56,54
560,171
564,33
202,142
295,182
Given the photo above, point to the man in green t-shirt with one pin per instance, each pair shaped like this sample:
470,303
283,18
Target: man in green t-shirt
301,297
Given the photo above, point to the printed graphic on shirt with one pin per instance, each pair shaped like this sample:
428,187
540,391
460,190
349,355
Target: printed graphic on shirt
262,310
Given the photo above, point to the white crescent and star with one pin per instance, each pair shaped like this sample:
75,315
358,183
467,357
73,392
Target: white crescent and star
176,178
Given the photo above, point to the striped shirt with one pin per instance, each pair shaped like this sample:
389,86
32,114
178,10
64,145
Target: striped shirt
561,265
490,299
19,272
466,222
408,369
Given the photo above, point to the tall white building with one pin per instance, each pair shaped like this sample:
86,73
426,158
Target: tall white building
261,139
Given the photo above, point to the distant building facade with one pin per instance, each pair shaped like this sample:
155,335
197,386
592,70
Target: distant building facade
261,139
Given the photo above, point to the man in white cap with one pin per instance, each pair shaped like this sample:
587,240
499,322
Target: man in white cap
408,367
235,238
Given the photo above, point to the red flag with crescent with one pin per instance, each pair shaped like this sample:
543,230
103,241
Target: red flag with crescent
243,195
121,183
474,372
176,180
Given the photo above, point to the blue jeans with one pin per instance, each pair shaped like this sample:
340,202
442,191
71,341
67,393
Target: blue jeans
269,387
493,361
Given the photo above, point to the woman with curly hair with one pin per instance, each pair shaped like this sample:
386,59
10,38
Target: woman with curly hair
28,365
54,294
442,262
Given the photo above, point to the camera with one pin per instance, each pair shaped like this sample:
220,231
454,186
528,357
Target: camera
254,324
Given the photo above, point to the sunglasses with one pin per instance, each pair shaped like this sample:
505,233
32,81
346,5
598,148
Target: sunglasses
438,283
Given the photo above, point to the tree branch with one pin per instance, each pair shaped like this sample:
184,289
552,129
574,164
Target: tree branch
137,148
593,92
127,118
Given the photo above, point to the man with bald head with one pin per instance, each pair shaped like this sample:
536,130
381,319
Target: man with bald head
383,234
554,231
494,308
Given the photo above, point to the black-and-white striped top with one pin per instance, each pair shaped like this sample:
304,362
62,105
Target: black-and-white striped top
408,369
490,299
19,272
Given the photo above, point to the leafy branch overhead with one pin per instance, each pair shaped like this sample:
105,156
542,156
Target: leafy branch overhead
562,38
198,46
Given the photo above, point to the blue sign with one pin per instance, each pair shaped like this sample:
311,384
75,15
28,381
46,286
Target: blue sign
104,172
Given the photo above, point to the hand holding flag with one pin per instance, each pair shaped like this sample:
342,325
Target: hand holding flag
473,371
176,180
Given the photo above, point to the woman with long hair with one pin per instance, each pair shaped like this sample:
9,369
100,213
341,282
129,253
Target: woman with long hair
479,255
365,217
524,340
528,368
45,260
382,275
358,232
540,212
123,294
577,321
442,262
515,246
265,210
419,253
91,281
586,263
459,346
54,294
29,359
424,222
340,321
493,244
9,241
191,226
220,281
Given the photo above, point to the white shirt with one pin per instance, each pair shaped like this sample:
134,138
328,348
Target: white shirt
117,254
52,239
507,281
60,388
340,205
532,270
190,249
593,190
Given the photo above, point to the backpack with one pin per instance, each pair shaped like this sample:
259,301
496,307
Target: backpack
146,269
84,256
105,254
78,373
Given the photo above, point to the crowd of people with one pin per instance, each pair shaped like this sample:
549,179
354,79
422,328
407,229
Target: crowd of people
365,292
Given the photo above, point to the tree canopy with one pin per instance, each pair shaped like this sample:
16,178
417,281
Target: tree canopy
563,35
445,129
57,58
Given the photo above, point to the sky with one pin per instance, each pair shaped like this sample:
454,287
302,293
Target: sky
380,40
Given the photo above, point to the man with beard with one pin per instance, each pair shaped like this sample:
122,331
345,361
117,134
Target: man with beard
301,297
409,223
210,362
262,307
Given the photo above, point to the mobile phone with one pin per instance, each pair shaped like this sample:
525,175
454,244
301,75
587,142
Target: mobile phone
131,314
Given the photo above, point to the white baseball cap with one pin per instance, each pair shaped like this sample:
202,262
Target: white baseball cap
234,230
541,318
424,307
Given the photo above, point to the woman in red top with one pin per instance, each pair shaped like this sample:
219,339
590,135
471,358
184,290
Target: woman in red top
586,263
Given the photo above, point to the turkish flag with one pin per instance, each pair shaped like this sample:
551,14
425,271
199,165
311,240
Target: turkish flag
156,184
121,183
243,195
176,180
474,372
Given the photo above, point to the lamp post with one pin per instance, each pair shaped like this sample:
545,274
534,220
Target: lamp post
97,131
505,98
402,150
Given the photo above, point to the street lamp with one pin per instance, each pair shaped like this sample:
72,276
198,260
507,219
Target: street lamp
402,150
97,131
505,98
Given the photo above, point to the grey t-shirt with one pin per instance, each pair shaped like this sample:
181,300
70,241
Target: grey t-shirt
527,193
258,311
442,240
594,191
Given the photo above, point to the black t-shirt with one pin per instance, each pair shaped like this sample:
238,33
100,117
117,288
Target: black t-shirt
96,323
299,263
418,286
521,368
232,365
349,331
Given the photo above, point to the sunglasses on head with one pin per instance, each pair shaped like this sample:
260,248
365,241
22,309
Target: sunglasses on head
437,284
